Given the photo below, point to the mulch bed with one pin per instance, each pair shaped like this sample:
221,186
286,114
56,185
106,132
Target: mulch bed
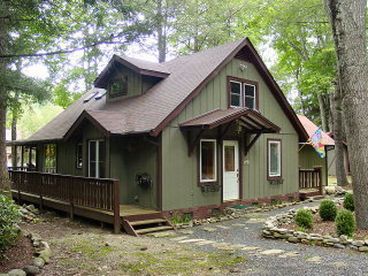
326,228
17,256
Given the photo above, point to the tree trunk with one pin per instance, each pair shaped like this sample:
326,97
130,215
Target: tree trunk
338,132
4,181
161,32
348,26
322,112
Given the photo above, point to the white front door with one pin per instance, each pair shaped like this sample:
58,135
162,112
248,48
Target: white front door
230,169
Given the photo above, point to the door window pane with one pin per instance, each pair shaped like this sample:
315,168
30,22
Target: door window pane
208,160
50,158
229,158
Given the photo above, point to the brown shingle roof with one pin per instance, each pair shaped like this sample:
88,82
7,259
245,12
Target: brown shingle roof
153,110
250,119
311,128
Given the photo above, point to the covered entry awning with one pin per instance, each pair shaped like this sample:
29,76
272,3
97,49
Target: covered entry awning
252,121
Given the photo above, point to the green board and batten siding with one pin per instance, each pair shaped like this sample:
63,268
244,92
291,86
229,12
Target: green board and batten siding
180,172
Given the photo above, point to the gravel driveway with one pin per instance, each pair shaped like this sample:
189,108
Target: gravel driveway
272,257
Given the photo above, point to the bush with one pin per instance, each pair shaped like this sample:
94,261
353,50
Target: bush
304,218
9,217
327,210
349,202
345,223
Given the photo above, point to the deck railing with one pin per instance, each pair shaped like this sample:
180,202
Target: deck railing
310,179
76,191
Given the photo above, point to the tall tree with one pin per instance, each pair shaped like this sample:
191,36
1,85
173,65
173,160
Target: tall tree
339,135
348,19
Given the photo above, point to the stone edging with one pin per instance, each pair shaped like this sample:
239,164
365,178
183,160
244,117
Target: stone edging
41,257
271,230
233,213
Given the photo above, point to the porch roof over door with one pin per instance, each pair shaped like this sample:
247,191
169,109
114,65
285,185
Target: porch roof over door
251,120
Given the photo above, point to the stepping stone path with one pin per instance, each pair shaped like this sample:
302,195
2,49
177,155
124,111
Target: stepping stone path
179,238
249,248
222,226
238,224
256,220
289,255
272,252
209,229
315,259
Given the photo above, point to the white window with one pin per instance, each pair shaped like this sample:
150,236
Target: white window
96,158
235,93
208,160
274,158
243,94
249,95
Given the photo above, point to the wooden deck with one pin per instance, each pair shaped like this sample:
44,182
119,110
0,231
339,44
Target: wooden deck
135,210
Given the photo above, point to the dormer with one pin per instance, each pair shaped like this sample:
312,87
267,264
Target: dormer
125,77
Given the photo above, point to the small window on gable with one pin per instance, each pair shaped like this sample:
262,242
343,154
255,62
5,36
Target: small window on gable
208,160
274,158
119,87
235,93
250,96
79,155
243,94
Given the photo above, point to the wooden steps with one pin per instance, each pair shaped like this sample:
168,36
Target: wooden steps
146,225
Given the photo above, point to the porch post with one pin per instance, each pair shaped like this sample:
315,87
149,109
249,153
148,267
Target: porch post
117,220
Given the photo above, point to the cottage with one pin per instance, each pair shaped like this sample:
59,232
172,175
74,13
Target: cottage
189,135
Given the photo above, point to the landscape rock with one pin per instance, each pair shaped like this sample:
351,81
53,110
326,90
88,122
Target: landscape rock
39,262
31,270
17,272
330,190
363,249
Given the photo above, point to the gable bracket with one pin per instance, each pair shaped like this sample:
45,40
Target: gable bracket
192,144
249,146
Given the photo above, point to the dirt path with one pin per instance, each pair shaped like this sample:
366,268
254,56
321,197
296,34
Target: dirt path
86,249
273,257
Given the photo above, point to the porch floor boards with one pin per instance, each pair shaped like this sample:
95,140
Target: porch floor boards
127,210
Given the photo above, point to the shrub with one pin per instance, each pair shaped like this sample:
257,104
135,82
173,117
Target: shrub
349,202
304,218
345,223
9,217
327,210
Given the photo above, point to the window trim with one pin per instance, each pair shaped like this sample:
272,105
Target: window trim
76,155
120,78
278,142
242,81
200,161
254,95
97,161
240,94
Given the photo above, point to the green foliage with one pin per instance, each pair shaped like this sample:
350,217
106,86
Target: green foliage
9,217
349,202
181,218
327,210
304,218
345,223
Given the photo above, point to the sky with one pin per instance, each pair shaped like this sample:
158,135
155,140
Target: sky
40,71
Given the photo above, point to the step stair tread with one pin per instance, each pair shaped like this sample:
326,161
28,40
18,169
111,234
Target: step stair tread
147,221
153,229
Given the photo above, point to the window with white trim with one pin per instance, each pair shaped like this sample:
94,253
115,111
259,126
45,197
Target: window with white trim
208,160
274,158
96,158
243,94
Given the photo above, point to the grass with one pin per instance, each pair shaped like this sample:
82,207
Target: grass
182,263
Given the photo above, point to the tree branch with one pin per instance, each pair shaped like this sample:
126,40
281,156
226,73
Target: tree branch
62,51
